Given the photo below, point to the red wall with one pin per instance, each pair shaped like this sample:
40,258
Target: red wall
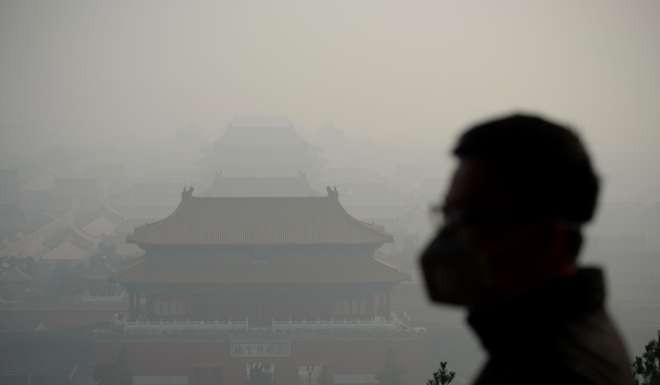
56,317
339,355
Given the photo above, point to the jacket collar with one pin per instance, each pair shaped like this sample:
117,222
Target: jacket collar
522,320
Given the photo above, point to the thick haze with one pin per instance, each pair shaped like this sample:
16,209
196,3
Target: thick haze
406,77
381,87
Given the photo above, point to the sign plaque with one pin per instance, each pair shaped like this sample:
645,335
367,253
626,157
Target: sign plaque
250,349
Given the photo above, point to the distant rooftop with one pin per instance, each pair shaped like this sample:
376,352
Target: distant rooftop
257,146
251,131
260,121
13,274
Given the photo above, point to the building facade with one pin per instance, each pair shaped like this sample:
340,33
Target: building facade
260,290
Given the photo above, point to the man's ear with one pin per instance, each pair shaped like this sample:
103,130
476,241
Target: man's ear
544,243
560,244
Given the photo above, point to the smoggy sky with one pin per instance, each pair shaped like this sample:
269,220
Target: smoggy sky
405,75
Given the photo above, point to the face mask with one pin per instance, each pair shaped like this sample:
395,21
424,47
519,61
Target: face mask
453,273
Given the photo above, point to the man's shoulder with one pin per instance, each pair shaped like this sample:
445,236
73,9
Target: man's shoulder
524,373
585,350
592,346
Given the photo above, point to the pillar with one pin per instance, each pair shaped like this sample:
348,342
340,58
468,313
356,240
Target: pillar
131,305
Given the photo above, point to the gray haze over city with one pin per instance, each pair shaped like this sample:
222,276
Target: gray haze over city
129,92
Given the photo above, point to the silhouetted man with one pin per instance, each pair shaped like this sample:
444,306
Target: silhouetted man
507,252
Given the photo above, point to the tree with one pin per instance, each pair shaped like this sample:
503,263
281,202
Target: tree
646,368
442,376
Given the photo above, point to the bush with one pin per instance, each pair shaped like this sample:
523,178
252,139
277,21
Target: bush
442,376
646,368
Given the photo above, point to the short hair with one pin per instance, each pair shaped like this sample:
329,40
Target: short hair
546,165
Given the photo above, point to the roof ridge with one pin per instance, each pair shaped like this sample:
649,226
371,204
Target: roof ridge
259,197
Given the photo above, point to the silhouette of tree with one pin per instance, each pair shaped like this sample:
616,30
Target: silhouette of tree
442,376
646,367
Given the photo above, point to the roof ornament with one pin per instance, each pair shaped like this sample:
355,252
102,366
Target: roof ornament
332,192
187,193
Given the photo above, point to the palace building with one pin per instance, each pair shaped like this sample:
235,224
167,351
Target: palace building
260,290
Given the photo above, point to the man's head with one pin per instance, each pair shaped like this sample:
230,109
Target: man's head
512,215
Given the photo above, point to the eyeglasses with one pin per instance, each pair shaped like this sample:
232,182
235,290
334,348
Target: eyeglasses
491,217
481,217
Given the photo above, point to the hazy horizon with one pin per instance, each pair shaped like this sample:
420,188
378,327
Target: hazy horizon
405,78
378,89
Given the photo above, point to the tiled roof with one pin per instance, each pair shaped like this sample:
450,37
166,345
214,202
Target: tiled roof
58,239
100,227
13,275
69,250
259,221
274,270
98,270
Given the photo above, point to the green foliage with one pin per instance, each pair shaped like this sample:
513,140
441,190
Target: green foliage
442,376
646,367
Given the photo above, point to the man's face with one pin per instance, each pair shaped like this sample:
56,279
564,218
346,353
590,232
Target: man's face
499,250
